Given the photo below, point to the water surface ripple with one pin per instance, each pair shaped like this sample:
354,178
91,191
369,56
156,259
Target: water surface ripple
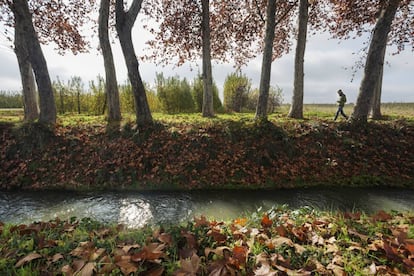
136,209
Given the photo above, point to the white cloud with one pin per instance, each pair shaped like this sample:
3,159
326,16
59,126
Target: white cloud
327,68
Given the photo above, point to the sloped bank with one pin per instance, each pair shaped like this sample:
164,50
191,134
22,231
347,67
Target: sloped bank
224,154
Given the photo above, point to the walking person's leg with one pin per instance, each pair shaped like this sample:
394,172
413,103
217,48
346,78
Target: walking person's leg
337,113
343,113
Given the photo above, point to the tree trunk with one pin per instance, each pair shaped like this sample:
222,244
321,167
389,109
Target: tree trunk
111,84
22,15
376,103
296,109
78,101
124,24
261,110
208,107
31,109
62,100
374,62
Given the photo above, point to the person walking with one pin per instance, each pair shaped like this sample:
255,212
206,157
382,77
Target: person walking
341,103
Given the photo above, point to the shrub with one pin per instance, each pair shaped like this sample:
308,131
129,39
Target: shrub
174,94
197,92
274,101
236,90
11,99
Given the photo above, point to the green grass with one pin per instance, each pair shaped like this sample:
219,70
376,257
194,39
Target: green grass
391,111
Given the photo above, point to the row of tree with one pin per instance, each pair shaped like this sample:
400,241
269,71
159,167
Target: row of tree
188,30
169,95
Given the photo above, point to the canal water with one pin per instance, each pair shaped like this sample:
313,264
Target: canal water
136,209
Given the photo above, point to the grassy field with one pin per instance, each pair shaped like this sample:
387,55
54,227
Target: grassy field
390,111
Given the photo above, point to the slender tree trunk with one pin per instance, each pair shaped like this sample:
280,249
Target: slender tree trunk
78,101
374,61
296,109
261,110
31,108
62,100
22,15
376,103
111,84
124,24
208,107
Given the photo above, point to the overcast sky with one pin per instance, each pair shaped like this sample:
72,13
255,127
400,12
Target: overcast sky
327,68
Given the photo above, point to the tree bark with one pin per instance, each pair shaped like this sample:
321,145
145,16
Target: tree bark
22,15
261,109
30,104
296,109
376,103
374,61
124,23
111,84
208,107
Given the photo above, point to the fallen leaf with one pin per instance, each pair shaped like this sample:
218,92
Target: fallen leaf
28,259
57,257
150,252
265,270
189,266
282,240
240,254
128,247
266,221
165,238
202,221
381,216
67,270
240,221
96,254
88,269
218,251
217,236
156,271
124,263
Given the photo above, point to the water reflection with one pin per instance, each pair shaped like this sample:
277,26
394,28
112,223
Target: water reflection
138,209
135,213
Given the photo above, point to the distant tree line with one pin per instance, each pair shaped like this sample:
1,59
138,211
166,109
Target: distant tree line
169,95
10,99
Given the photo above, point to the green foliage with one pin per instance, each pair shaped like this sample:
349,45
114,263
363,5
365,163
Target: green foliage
71,97
174,94
197,92
274,101
153,100
126,98
236,91
11,99
98,97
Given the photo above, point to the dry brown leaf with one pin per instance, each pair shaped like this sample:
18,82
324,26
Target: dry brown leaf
27,259
189,266
282,240
265,270
128,247
88,269
95,255
57,257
